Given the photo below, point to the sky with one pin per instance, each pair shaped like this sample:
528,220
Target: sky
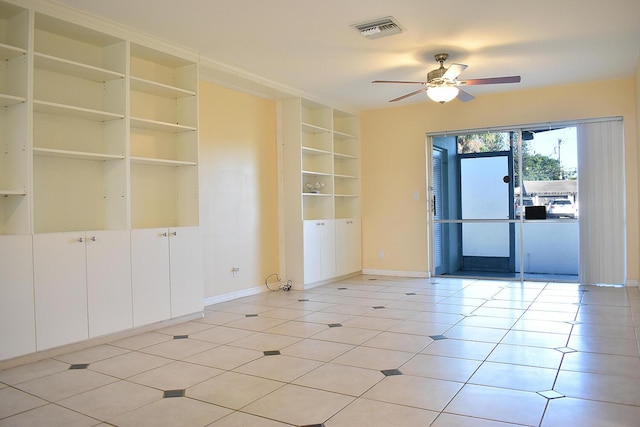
546,144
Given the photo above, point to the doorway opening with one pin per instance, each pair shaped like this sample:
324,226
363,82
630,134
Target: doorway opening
504,204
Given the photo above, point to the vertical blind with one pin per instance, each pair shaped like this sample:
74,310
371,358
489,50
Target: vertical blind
601,202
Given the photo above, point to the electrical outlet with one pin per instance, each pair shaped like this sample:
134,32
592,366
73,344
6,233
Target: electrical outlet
235,271
381,254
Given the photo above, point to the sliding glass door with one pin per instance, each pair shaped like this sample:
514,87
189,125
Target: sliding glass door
505,203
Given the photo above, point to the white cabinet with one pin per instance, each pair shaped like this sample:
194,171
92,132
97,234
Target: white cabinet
167,273
321,169
150,275
348,246
60,281
319,250
17,314
186,268
82,285
109,281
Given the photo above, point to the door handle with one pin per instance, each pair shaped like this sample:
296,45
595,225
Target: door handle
434,205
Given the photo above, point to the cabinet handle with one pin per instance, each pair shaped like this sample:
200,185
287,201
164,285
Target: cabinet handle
165,234
80,240
174,233
93,238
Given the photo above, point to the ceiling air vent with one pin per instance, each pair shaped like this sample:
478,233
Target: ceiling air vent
378,28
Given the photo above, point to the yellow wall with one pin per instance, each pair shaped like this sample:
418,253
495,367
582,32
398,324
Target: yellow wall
238,189
394,162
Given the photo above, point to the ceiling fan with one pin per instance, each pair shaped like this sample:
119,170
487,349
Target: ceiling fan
442,84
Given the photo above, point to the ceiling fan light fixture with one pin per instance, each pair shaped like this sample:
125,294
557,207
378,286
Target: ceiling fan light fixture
442,94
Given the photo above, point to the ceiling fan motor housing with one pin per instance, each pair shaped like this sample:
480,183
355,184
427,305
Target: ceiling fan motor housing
435,75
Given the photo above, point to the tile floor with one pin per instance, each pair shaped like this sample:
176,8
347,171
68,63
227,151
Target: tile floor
367,351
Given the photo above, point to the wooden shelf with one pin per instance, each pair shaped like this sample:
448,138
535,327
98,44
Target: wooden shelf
72,68
5,193
80,155
342,135
137,122
316,173
8,100
309,128
316,194
73,111
314,151
160,89
344,156
337,175
160,162
9,52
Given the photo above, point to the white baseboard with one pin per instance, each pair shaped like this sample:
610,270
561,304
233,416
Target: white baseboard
399,273
233,295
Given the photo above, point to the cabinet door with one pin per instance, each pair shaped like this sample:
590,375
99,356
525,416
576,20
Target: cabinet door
185,255
17,320
60,289
109,281
312,251
150,275
348,246
319,250
328,249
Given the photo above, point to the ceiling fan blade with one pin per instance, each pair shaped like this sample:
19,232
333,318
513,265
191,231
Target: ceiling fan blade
491,81
397,81
454,71
464,96
424,89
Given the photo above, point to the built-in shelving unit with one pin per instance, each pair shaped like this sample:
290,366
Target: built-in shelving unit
322,190
164,139
79,133
98,158
14,153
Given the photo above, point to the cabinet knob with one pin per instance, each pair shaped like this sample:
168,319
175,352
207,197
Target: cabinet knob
174,233
93,238
80,239
165,234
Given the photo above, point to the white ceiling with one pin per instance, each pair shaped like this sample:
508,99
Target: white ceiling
310,46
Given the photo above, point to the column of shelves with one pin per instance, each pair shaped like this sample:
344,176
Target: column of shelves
79,132
316,161
14,155
164,140
346,153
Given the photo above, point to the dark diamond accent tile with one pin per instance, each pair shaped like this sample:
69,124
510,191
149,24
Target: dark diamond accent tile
302,300
79,366
437,337
250,315
272,353
378,307
373,279
342,289
180,337
313,425
173,393
391,372
411,293
334,325
551,394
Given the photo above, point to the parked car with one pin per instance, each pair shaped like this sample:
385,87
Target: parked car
561,208
526,201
